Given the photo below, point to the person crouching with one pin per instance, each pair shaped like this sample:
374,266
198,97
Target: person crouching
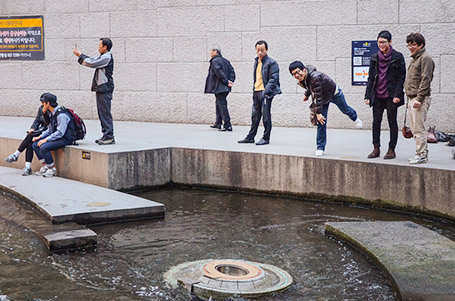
60,132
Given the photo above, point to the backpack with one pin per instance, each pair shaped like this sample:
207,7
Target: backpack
79,125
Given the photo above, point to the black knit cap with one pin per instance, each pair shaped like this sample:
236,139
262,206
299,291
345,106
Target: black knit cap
50,98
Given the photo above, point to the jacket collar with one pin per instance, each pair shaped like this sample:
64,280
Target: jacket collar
216,56
419,54
264,59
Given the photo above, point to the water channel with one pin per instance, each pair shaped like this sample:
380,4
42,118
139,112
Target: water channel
132,257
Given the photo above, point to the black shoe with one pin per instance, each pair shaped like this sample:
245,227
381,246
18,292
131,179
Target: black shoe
246,140
99,139
229,129
262,142
216,126
451,142
106,141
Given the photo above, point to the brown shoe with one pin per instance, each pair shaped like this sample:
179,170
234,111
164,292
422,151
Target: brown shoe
390,154
375,153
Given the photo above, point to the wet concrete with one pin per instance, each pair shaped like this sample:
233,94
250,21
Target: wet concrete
419,261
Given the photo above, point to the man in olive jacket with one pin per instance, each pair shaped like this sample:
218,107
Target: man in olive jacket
219,81
266,85
384,91
418,90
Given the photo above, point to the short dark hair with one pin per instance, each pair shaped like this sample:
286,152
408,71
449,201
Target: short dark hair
107,42
262,42
416,37
386,35
295,65
50,98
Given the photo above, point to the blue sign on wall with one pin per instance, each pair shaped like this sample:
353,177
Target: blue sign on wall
361,54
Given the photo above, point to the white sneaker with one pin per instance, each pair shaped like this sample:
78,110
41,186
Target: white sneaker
416,157
50,173
418,160
319,153
26,171
358,123
42,171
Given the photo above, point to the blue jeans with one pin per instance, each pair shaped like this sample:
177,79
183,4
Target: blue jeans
340,101
44,151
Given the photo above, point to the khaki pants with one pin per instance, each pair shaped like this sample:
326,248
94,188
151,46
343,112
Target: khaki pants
417,118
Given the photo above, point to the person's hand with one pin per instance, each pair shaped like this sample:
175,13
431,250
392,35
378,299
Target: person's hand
41,142
417,105
77,52
230,83
34,139
305,98
321,118
396,100
30,131
367,101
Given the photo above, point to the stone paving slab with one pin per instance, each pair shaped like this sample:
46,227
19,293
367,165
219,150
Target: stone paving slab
420,261
63,200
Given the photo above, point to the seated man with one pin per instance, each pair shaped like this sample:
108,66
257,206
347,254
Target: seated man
39,125
60,132
323,91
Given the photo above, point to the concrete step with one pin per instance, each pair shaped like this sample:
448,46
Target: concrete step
420,262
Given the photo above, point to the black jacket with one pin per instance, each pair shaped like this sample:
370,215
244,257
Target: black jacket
103,81
41,120
220,71
396,75
320,86
270,76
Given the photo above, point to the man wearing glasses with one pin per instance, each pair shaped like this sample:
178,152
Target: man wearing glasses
418,90
384,91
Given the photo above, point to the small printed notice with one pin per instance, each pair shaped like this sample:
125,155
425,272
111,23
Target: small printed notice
361,55
21,38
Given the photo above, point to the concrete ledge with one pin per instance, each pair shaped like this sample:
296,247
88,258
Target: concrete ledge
63,200
420,262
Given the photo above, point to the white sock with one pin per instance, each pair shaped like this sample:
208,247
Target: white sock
28,164
17,153
48,166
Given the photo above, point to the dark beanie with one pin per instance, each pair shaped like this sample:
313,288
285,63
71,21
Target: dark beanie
50,98
296,64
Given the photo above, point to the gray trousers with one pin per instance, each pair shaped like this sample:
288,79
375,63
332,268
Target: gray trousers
103,104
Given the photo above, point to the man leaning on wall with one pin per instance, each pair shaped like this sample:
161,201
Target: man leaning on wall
103,85
418,90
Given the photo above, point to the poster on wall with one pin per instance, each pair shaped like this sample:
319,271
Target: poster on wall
21,38
361,54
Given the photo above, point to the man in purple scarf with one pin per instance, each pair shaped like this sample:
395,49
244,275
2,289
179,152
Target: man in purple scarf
384,90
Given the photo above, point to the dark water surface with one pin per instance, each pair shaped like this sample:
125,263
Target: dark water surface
131,258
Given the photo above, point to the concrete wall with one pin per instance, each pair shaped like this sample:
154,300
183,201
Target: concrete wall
161,53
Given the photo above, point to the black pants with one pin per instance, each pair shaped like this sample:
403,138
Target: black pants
222,113
378,109
26,144
261,108
103,103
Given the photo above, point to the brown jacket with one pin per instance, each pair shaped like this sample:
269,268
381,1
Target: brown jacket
419,76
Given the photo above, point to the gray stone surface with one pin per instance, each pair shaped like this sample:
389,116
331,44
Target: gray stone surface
68,236
151,154
176,35
63,200
419,261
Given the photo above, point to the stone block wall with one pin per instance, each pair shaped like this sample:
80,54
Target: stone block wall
161,54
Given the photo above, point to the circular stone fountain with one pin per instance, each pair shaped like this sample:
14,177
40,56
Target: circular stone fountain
227,277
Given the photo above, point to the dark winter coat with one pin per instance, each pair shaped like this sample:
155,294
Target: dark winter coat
41,120
270,76
220,72
396,75
320,86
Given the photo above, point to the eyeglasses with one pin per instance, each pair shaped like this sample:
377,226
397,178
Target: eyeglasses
413,45
383,42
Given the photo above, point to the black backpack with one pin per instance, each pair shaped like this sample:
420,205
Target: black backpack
79,125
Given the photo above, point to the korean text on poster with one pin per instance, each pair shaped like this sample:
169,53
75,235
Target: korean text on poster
361,54
21,38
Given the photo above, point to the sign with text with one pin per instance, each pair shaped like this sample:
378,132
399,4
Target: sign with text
21,38
361,54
